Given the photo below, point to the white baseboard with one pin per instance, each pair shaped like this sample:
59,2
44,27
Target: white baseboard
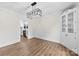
9,43
44,39
29,37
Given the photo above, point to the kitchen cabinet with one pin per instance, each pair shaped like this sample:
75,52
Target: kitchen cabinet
69,33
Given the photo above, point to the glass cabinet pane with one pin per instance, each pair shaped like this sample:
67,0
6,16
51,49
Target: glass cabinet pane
63,23
70,23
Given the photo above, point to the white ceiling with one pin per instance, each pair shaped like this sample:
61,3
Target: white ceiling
54,7
16,6
49,7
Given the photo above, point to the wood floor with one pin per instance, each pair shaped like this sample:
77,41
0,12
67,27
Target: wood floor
35,47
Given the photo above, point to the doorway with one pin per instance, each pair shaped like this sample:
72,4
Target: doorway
24,29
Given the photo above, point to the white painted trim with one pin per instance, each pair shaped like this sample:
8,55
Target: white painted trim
29,36
9,43
44,39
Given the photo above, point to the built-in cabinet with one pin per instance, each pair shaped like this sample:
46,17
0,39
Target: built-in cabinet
70,29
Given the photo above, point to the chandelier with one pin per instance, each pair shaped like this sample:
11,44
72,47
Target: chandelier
34,12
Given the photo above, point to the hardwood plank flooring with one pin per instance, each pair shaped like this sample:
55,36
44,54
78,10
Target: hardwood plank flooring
36,47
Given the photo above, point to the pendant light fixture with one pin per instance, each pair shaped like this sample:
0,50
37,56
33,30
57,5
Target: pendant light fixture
34,11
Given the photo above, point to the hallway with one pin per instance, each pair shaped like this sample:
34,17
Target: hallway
35,47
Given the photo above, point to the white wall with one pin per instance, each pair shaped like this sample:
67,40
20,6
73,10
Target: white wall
45,27
9,27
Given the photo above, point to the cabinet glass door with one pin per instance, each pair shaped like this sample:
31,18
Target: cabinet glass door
64,23
70,23
63,28
71,19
